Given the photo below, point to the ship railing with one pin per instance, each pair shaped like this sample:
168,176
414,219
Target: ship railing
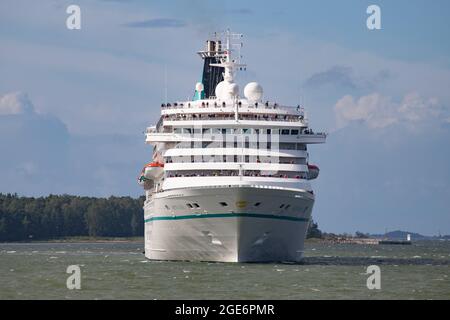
210,104
231,117
235,173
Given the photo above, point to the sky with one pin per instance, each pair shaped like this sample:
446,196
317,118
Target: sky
74,103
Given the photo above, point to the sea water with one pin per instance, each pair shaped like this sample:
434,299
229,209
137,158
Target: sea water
119,270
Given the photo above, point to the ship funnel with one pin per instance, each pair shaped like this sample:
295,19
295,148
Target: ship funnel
211,75
210,47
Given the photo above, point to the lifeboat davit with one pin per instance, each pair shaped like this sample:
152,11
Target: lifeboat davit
313,171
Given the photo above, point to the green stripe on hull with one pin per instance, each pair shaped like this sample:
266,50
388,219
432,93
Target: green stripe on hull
227,215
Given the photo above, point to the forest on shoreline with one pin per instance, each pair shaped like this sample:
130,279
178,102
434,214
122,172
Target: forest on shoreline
61,216
66,216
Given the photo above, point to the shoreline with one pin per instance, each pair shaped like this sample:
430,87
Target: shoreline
356,241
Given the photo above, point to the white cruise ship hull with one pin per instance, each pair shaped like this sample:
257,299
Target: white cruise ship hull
227,224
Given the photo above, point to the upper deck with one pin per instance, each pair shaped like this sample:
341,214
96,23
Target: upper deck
206,106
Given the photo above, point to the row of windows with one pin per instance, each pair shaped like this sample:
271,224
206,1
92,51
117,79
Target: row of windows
239,144
240,131
235,173
234,159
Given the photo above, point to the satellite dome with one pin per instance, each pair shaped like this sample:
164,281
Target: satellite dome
219,89
199,87
225,90
233,89
253,91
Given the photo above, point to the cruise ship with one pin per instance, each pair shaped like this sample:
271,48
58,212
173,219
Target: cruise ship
229,179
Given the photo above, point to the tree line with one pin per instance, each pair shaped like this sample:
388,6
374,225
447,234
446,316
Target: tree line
61,216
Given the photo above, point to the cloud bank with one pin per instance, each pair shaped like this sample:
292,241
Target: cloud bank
39,156
378,111
345,77
15,103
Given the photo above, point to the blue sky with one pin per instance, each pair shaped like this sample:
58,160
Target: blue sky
73,104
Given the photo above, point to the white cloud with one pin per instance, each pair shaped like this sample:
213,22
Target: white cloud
15,103
378,111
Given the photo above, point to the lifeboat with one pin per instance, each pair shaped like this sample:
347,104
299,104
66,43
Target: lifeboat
153,170
313,171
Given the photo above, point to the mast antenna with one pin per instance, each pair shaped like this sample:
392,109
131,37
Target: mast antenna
165,84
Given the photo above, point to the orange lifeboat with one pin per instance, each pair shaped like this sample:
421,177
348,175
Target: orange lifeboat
151,171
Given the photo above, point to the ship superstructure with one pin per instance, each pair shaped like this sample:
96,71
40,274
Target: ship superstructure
229,178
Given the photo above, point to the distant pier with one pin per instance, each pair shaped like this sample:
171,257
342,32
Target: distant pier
398,242
371,241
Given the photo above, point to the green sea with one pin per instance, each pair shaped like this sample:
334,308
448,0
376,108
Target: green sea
118,270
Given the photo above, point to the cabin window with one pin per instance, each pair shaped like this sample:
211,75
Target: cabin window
189,205
285,131
294,132
223,204
257,204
